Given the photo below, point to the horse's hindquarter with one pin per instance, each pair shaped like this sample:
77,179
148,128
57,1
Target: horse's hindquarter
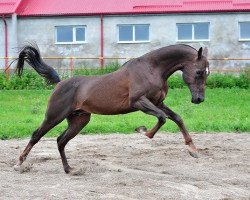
106,94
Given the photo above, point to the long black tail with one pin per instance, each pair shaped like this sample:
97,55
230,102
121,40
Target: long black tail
31,55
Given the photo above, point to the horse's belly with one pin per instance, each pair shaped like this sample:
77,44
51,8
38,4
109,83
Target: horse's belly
105,95
107,106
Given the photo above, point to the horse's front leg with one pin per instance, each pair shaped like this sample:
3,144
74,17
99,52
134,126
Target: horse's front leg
145,105
177,119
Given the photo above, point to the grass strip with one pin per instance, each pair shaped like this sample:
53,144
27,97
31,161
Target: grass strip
224,110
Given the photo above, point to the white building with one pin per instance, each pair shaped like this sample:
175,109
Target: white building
125,28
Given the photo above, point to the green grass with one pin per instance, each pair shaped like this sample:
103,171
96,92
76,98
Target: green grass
227,110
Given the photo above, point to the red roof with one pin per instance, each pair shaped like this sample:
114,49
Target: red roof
8,6
96,7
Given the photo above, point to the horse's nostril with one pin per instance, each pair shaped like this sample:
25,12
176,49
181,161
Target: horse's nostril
200,99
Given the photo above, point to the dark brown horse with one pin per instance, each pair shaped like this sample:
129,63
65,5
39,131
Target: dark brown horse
139,85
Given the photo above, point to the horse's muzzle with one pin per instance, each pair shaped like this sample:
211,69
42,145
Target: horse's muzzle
197,100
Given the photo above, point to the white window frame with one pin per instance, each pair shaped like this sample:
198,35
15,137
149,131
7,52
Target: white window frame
133,41
74,27
193,39
243,39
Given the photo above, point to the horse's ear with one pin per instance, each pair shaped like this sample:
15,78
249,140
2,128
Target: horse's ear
205,52
200,53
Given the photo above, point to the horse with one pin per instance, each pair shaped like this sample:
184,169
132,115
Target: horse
139,85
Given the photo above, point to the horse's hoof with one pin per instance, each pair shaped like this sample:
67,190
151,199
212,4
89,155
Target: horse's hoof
150,136
141,129
193,152
76,172
73,172
17,167
22,168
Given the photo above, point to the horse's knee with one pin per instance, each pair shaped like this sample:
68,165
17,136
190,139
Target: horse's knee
162,118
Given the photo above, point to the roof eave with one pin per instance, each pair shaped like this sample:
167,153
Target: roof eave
135,13
6,14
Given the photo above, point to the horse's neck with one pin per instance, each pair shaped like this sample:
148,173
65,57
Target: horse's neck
170,60
171,66
169,71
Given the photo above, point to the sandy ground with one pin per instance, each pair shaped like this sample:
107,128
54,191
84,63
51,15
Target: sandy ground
116,167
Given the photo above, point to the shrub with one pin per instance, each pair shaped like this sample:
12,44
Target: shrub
31,80
176,81
229,80
96,71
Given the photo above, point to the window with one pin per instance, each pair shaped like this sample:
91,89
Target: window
193,32
244,30
70,34
128,33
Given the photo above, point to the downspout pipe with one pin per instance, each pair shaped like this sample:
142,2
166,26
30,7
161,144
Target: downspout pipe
102,43
6,46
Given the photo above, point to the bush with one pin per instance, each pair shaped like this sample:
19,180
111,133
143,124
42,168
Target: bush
217,81
229,80
31,80
97,71
176,81
244,80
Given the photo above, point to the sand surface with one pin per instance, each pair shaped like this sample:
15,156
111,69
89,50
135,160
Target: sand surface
124,167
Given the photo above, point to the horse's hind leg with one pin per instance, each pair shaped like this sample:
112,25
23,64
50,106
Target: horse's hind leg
76,121
47,125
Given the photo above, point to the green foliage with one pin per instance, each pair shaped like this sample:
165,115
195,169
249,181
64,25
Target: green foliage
175,81
96,71
217,81
228,81
31,80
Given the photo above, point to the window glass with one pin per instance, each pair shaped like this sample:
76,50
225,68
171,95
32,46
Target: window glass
133,33
126,33
80,34
201,31
70,34
193,31
141,32
64,34
184,31
244,30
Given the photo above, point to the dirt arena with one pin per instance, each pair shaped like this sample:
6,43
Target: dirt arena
126,167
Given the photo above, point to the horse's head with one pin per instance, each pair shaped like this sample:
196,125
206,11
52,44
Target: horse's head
195,74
